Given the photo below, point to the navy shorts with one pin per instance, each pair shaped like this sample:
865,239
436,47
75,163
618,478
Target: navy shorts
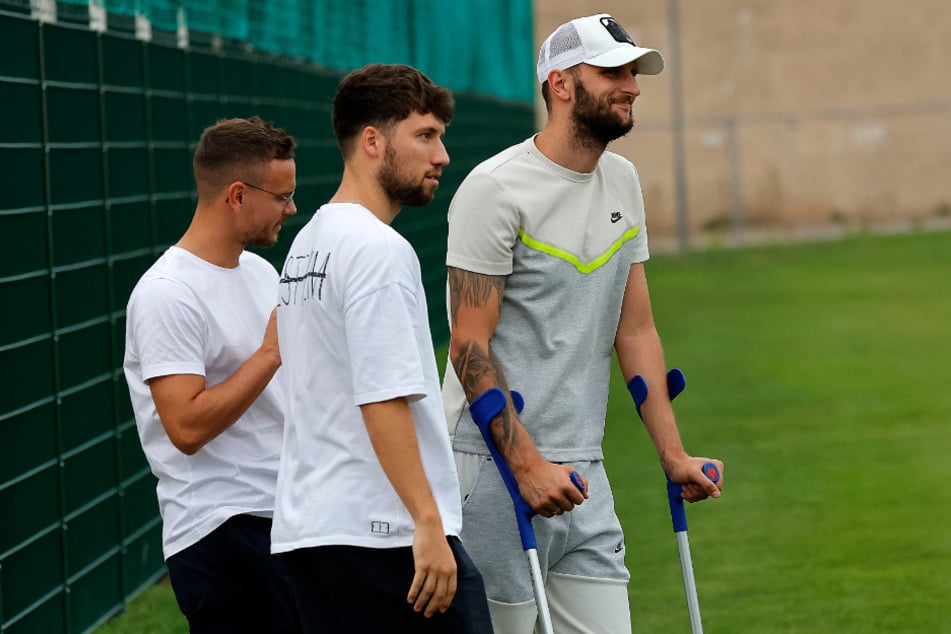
229,582
355,590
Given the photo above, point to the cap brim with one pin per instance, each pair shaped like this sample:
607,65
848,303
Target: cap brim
649,61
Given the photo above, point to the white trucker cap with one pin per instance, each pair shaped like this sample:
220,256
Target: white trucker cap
597,40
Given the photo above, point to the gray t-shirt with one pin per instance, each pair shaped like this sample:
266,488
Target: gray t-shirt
565,242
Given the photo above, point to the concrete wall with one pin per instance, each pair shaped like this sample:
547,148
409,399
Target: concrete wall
797,116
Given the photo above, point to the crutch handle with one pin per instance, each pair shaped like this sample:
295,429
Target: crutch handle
483,409
576,480
674,492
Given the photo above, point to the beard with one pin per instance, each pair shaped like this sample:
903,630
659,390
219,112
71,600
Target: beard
262,238
400,187
596,121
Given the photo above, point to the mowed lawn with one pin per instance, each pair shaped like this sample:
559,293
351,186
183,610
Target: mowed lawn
820,374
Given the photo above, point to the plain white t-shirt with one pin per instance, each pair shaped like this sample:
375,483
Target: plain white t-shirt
354,329
188,316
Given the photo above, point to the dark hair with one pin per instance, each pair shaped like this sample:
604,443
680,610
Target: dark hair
382,95
232,146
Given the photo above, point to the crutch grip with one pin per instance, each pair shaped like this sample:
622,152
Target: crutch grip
674,492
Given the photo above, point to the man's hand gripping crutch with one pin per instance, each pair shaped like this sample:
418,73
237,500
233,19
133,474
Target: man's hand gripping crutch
676,382
484,409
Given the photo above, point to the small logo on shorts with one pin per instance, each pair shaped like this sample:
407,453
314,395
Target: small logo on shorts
619,547
615,216
380,528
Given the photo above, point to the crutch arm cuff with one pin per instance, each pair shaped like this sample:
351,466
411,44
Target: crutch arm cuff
637,386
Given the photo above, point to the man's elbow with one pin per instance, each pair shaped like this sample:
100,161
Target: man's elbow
464,341
186,441
188,448
633,336
456,346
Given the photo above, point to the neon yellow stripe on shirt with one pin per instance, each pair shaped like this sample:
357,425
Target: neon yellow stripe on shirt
573,259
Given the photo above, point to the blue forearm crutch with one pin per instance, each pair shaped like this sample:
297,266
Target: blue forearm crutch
484,409
675,385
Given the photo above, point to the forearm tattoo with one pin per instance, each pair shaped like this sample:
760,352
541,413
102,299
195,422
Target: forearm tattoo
474,365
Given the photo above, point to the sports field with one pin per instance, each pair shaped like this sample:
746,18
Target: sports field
820,374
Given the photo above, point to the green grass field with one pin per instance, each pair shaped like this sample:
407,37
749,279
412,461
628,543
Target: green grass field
818,373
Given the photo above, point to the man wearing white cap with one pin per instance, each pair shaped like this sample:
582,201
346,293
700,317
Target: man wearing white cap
547,243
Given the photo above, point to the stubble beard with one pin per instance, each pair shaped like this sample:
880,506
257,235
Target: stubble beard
263,240
596,122
265,237
398,187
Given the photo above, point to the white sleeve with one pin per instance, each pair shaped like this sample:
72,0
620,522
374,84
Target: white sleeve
168,329
483,227
382,337
382,324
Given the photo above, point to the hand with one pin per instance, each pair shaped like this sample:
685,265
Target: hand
548,489
696,485
434,584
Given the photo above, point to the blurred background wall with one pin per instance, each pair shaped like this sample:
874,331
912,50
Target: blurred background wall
797,118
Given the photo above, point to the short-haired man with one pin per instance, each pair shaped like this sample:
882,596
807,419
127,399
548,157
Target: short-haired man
200,361
547,241
368,514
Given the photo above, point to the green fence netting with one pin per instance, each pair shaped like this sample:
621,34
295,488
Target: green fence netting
482,46
96,157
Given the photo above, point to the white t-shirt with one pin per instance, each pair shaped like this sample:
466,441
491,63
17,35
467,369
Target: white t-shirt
188,316
354,330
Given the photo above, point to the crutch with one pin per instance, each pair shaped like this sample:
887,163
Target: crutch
676,381
483,409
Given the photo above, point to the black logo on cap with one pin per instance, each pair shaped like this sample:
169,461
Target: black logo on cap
617,31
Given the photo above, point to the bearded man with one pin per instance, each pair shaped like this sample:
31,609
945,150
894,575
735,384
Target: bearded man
546,251
367,516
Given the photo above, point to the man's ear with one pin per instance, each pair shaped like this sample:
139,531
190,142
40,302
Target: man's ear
235,194
560,85
372,141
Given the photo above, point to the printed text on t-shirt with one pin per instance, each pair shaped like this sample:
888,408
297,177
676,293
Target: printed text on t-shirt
301,280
